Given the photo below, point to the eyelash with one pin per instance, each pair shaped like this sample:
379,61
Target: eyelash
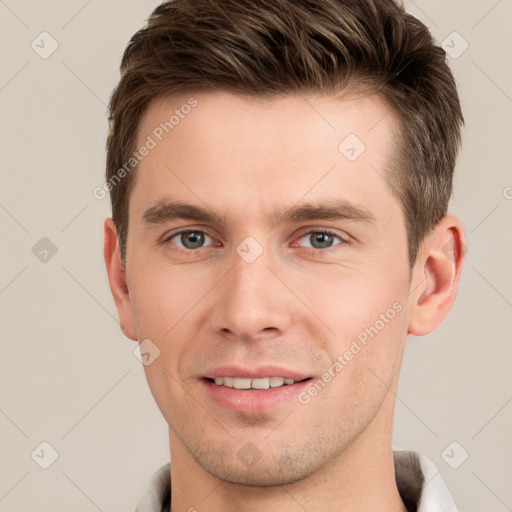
343,241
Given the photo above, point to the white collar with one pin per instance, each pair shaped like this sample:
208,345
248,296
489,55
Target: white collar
435,496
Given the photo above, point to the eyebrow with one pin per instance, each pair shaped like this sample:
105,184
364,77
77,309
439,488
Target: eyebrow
167,211
330,209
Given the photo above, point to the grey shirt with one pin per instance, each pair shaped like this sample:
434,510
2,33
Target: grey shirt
418,480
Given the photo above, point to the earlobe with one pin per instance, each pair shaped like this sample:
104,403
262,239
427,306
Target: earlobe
117,279
437,274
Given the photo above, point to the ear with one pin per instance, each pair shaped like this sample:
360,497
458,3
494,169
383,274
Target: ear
436,276
117,279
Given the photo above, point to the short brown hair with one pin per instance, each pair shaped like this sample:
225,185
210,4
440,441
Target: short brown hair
268,47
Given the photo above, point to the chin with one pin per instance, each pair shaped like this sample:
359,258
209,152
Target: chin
267,467
261,475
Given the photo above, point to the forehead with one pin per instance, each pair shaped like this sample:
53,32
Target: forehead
235,152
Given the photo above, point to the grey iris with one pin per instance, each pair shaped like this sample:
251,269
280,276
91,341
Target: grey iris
321,240
192,239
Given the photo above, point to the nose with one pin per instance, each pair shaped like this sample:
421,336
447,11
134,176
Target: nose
251,301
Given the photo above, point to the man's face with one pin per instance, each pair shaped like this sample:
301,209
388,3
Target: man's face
253,293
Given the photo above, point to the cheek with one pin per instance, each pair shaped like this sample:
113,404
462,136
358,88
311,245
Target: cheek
351,302
367,313
365,356
162,296
165,305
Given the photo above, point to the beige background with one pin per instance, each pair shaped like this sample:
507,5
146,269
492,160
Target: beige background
69,377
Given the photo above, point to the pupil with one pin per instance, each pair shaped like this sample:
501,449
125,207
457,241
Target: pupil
192,240
321,240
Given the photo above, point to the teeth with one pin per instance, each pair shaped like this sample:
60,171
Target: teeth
242,383
228,382
275,382
261,383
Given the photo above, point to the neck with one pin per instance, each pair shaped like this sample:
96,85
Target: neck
361,478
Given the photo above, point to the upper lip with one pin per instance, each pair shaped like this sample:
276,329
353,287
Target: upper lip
258,372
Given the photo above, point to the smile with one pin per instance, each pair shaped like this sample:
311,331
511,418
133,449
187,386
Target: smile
256,384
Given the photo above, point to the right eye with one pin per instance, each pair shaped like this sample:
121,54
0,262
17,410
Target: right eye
190,239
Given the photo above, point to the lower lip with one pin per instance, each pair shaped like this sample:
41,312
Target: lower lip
253,402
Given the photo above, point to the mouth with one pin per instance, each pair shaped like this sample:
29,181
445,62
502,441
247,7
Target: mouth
257,384
254,392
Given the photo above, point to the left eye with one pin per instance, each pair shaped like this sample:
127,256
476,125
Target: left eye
191,239
320,239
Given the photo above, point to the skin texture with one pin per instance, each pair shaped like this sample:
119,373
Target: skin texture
293,306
